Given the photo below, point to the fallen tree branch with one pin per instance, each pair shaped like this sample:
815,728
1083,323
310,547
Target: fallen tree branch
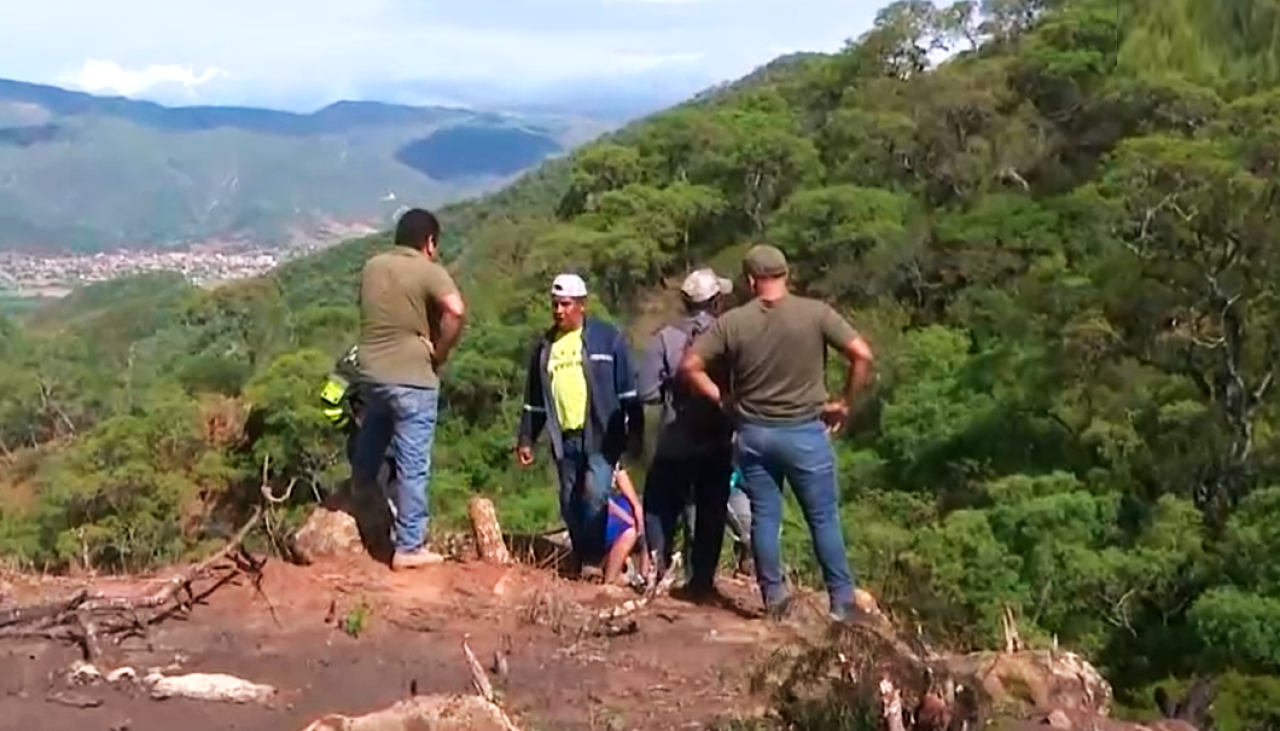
479,678
655,590
87,617
34,613
480,681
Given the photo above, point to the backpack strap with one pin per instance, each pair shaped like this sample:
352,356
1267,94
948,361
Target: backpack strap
667,377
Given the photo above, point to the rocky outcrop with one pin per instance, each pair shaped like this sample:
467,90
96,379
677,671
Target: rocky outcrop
1016,690
328,533
919,689
423,713
1024,680
345,524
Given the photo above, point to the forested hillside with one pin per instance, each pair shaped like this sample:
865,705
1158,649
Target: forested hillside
1062,244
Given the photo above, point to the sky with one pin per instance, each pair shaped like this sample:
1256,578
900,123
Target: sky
301,52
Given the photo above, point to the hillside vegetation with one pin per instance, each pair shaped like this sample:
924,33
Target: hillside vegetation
1061,244
88,173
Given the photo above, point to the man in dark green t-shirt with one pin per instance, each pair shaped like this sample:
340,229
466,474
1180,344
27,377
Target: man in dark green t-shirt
410,321
775,349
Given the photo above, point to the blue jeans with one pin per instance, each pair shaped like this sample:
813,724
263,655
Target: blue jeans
586,480
802,455
403,417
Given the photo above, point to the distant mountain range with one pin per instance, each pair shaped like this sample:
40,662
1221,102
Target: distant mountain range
617,99
80,172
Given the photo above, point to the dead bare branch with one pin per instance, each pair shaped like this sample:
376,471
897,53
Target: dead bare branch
87,616
479,679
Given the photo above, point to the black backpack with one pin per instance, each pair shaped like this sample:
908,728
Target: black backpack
703,419
346,373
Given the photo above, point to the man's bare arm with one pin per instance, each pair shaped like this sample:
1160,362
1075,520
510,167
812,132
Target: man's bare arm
860,358
694,369
452,315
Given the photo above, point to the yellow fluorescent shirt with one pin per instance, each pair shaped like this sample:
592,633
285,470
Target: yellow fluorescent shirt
568,380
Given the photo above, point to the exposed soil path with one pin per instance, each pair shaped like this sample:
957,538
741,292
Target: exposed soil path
682,668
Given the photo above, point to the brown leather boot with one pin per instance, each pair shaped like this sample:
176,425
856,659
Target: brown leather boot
415,559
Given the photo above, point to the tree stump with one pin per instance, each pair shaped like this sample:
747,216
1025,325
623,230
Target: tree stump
484,523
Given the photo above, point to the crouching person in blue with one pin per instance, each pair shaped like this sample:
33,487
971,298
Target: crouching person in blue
581,388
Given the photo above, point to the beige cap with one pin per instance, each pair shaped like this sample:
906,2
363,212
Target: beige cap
703,284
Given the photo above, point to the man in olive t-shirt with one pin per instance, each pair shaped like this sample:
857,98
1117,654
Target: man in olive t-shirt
410,320
775,349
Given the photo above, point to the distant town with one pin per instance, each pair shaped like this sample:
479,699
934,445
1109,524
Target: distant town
52,276
35,275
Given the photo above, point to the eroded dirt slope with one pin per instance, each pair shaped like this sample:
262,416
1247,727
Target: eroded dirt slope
679,669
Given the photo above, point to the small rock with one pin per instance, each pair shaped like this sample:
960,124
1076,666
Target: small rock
209,687
328,533
865,602
119,674
73,699
423,713
82,673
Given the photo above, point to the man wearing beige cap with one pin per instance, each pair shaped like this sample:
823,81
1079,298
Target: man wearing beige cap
693,455
775,350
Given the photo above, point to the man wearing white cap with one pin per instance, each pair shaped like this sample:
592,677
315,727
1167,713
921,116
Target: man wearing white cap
693,458
581,389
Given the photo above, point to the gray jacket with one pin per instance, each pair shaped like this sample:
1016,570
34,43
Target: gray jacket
657,373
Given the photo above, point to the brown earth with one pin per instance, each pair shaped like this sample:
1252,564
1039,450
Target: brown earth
682,668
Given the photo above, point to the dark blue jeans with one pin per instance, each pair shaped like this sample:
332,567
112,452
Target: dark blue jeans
802,455
386,473
586,479
403,417
670,485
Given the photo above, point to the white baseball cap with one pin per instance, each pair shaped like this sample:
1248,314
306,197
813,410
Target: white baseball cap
568,285
703,284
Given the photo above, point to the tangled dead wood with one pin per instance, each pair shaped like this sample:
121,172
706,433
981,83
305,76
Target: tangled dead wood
87,616
866,672
866,675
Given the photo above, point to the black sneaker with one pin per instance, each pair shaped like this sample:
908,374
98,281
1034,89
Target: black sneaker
700,593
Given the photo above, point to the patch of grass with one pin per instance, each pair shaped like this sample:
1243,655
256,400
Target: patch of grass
356,620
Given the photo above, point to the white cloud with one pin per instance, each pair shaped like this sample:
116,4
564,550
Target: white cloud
108,77
330,47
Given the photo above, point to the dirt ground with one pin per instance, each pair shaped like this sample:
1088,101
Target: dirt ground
684,667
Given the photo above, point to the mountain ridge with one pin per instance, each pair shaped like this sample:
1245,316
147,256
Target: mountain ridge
85,172
339,115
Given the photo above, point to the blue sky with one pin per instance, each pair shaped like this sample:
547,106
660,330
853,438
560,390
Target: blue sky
241,50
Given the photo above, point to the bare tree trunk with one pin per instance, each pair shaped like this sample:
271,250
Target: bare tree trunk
484,523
